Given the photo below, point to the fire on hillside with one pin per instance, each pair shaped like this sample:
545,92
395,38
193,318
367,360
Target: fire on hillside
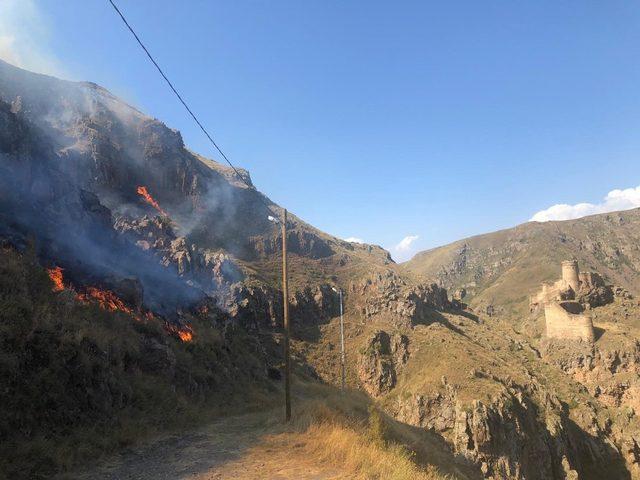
144,193
108,300
56,276
184,333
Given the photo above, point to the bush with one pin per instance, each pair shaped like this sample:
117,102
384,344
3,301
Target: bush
376,427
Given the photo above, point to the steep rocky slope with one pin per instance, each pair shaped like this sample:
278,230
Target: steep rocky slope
498,273
109,192
486,387
131,225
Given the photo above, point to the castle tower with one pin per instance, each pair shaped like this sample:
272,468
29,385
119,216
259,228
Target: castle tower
570,274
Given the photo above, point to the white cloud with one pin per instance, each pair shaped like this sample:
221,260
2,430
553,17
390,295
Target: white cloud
615,200
405,249
24,36
354,240
405,243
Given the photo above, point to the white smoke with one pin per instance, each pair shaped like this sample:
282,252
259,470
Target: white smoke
614,201
24,36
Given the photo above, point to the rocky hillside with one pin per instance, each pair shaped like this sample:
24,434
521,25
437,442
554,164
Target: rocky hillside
163,283
503,268
132,225
108,192
503,399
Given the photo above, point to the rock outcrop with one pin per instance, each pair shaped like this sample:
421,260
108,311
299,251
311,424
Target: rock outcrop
381,360
391,295
212,270
523,432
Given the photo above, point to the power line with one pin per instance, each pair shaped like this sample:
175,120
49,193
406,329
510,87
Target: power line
283,223
204,130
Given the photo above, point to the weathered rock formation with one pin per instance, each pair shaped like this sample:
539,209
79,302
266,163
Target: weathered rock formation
381,361
522,432
391,295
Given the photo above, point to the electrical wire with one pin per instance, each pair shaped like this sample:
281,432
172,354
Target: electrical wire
193,115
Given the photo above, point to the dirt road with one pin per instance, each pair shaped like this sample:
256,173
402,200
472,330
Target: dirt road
243,447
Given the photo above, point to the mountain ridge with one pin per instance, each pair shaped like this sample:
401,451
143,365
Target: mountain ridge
490,266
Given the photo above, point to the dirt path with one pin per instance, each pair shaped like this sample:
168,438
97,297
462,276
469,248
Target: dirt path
244,447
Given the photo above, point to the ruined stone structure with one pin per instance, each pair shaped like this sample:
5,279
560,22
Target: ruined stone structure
570,274
567,320
565,316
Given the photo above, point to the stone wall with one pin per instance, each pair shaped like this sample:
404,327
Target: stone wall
570,274
565,320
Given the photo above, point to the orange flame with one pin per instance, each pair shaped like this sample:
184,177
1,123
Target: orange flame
56,276
105,298
142,191
184,333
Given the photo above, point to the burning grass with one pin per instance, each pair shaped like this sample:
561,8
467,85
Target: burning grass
109,301
106,299
80,381
183,332
57,277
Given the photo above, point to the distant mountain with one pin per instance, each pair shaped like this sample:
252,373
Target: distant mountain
505,267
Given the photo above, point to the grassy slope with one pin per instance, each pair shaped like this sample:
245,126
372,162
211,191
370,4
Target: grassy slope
78,381
478,358
332,435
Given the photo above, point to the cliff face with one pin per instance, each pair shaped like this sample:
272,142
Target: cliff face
493,400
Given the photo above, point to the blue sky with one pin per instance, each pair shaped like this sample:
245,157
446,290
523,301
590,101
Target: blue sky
378,120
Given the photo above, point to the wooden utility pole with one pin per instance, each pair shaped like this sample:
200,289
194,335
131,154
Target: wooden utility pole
342,354
285,303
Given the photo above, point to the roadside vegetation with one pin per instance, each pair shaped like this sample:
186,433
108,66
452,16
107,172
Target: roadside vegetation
346,431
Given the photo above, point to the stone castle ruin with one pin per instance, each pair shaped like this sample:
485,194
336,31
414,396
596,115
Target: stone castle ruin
565,303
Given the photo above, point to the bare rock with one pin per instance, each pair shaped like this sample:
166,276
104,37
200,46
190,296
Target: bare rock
381,361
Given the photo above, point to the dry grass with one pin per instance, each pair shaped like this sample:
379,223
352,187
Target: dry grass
356,453
332,436
345,431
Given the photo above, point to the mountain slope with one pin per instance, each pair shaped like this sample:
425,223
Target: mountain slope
504,268
111,195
